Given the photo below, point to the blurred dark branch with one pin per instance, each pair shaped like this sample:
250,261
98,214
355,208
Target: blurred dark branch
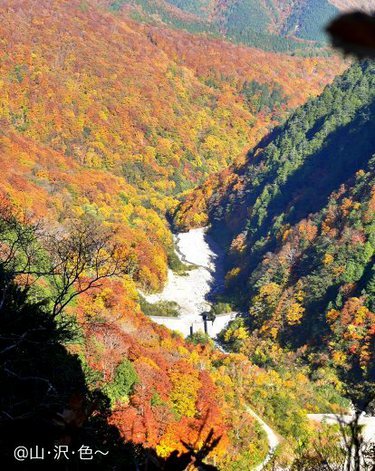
354,33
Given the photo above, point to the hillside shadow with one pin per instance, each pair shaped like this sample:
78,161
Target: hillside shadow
305,191
218,270
45,401
347,150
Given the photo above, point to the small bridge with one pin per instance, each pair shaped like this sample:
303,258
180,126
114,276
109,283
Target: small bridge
186,326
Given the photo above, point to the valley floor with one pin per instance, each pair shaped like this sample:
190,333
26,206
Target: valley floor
190,291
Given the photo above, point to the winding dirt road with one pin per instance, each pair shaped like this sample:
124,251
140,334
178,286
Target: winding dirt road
273,439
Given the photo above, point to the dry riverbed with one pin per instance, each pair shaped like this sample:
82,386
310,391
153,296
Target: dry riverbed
190,290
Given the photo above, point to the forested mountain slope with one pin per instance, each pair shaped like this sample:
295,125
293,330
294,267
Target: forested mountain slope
298,223
104,121
170,113
280,25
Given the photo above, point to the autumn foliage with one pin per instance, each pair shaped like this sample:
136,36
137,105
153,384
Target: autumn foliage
105,117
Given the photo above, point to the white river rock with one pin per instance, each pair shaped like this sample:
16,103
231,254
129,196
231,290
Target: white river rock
190,291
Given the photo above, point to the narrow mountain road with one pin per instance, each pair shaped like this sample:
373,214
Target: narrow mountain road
273,439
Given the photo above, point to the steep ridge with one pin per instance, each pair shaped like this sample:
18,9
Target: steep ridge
280,25
298,224
157,392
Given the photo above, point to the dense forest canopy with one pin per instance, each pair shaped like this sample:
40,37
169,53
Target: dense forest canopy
118,123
